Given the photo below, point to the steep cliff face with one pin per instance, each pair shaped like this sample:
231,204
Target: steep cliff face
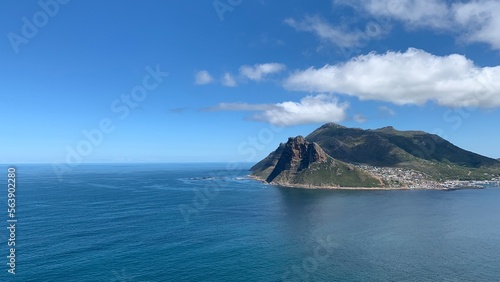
299,162
297,154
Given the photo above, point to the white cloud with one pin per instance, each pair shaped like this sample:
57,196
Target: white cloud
259,71
480,21
415,13
240,107
411,77
311,109
203,77
473,21
228,80
339,36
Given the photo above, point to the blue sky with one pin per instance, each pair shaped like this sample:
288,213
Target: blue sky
169,81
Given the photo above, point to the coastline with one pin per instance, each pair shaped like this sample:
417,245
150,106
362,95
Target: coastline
382,188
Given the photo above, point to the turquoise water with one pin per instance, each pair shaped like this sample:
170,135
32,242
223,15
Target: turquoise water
202,222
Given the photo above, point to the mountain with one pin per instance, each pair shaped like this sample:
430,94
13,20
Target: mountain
418,150
302,163
334,155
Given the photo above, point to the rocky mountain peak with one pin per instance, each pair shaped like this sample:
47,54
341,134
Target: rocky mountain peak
332,125
297,154
387,128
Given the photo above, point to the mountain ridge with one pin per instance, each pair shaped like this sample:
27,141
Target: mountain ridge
388,147
358,155
299,162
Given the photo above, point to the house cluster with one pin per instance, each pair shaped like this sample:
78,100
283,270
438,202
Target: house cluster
408,178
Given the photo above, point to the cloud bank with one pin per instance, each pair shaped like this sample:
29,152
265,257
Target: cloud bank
311,109
411,77
471,21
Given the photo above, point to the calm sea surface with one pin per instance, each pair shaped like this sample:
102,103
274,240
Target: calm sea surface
203,222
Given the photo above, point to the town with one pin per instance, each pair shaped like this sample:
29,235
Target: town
411,179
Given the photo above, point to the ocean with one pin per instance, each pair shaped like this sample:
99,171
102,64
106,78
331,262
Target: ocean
208,222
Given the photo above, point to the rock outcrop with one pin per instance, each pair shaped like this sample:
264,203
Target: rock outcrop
302,163
296,155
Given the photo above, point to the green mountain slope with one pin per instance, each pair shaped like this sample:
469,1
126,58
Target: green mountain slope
305,164
418,150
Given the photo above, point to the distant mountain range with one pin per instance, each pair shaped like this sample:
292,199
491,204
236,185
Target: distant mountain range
334,155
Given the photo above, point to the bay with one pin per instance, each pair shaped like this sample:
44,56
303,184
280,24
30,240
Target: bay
205,222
